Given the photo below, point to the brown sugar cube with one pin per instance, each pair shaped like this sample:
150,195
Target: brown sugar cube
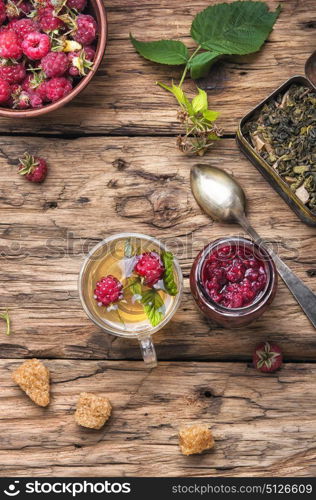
92,411
195,439
33,378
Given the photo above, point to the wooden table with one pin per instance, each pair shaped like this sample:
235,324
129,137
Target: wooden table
114,167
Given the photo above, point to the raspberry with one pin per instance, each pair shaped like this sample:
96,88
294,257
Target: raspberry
48,20
23,27
150,267
16,9
81,61
267,357
34,168
10,47
55,64
36,45
12,73
5,91
56,88
79,5
3,13
86,29
108,290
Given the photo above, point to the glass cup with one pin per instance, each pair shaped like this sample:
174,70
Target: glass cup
109,251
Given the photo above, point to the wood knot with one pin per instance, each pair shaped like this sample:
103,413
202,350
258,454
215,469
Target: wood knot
120,164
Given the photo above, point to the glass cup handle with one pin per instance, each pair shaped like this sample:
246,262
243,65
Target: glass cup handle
148,351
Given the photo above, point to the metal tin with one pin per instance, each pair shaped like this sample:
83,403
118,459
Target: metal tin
266,170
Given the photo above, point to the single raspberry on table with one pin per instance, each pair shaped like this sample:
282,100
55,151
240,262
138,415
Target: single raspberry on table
81,61
86,29
5,91
267,357
23,27
12,72
79,5
10,47
48,19
108,290
55,64
56,88
150,267
34,168
36,45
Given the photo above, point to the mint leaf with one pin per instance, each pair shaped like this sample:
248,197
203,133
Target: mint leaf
201,64
199,102
235,28
170,52
168,277
152,302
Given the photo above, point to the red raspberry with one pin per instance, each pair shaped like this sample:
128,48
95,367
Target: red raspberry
10,47
3,13
34,168
56,88
12,73
81,61
21,99
86,29
108,290
55,64
23,27
267,357
17,8
5,91
150,267
79,5
36,45
48,20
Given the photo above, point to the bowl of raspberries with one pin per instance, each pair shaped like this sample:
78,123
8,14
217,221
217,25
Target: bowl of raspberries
49,52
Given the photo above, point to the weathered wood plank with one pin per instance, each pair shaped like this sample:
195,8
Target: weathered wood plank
123,98
263,425
101,186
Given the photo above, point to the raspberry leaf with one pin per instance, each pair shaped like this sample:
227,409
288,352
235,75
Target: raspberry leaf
153,303
201,64
199,102
171,52
168,277
5,316
236,28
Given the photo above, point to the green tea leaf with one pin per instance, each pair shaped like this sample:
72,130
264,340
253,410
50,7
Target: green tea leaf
170,52
199,103
210,115
168,277
152,302
201,64
5,316
235,28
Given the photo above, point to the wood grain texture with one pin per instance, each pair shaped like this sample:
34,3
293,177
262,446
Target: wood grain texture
101,186
263,425
123,98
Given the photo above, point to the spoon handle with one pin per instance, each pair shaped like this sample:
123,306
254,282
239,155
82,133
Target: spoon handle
304,295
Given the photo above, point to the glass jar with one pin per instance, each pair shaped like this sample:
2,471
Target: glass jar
233,317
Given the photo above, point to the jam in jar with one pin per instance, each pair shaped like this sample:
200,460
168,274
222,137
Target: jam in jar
233,281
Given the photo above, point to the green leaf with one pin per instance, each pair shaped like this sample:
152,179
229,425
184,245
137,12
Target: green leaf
235,28
210,115
5,316
199,103
152,302
179,95
201,64
168,277
170,52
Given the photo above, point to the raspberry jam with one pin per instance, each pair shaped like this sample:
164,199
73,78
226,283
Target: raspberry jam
233,281
234,277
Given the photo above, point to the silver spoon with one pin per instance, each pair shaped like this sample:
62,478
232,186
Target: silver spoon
221,197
